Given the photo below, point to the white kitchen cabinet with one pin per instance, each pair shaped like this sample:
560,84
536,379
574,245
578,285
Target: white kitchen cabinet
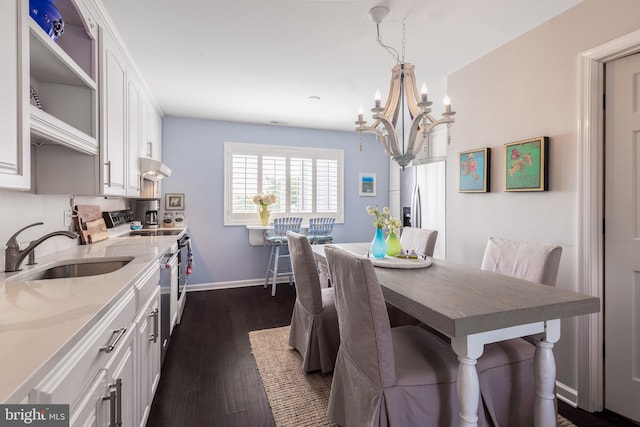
134,135
122,383
113,117
15,157
148,341
92,409
63,75
68,379
112,373
153,132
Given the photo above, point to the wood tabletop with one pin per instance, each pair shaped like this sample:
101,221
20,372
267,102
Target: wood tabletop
458,300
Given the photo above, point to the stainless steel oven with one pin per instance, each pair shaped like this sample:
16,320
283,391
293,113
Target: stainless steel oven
168,294
185,263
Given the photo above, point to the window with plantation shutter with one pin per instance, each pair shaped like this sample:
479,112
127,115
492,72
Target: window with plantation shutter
308,182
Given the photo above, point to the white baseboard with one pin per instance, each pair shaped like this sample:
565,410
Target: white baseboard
567,394
230,285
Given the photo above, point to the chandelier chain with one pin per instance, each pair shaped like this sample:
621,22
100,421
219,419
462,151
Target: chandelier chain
404,35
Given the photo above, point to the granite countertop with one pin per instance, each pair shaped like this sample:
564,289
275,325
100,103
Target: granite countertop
41,320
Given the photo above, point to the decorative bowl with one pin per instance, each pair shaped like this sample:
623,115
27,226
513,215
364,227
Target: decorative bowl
45,13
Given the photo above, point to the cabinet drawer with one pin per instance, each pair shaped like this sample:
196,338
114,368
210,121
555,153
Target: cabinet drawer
68,378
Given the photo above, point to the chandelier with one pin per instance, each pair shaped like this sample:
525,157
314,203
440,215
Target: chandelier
404,99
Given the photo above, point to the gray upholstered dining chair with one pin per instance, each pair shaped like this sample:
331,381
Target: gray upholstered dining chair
526,260
420,240
314,323
384,376
277,240
530,261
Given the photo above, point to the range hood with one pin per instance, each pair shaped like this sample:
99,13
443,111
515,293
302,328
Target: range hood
153,169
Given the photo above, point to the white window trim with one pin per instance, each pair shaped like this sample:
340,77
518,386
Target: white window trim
235,148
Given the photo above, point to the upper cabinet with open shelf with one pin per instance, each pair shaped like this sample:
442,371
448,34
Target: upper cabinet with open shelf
63,74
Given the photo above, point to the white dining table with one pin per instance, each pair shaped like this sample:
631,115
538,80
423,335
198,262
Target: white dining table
475,307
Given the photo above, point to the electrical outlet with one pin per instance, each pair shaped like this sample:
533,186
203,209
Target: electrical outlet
67,218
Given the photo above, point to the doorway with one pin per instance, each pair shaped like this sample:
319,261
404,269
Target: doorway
622,237
590,381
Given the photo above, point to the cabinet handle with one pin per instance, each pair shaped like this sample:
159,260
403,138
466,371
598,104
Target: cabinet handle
115,403
149,149
112,407
108,165
153,337
109,348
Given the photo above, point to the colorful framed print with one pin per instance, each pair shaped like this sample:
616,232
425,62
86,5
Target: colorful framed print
174,201
367,184
526,165
475,170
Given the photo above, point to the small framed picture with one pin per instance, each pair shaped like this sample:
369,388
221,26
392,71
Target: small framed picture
526,165
475,168
174,201
367,184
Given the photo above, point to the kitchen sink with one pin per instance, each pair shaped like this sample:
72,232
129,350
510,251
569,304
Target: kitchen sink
153,232
76,268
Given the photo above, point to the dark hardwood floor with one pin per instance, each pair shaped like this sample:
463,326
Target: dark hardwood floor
209,377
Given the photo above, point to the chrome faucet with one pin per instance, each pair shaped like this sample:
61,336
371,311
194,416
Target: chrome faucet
13,256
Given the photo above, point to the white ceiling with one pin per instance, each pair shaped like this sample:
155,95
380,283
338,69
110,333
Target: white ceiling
259,61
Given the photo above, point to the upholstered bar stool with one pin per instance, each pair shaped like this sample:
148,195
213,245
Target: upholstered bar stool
277,239
320,230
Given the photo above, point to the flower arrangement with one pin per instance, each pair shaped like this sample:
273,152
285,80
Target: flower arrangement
394,225
381,216
264,199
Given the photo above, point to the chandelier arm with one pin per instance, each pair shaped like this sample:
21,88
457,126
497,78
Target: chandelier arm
435,123
379,136
412,95
393,105
415,128
391,145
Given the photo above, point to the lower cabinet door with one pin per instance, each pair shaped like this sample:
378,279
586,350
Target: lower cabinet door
92,410
121,383
148,346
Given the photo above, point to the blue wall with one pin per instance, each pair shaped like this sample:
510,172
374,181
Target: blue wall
193,149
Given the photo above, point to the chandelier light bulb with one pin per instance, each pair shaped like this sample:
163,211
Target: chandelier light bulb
360,113
423,92
377,98
447,101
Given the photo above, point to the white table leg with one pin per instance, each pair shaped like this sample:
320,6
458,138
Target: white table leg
468,386
544,366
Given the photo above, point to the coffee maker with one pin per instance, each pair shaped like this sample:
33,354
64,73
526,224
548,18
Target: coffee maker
146,211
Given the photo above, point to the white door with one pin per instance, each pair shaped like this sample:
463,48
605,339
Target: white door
622,238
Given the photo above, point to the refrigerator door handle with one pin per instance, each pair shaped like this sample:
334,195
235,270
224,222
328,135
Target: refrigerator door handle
416,208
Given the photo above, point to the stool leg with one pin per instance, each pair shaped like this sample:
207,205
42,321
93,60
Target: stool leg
266,279
275,271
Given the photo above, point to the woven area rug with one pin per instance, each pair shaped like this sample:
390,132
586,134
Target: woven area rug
296,399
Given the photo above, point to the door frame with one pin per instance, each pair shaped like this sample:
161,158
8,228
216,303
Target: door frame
590,380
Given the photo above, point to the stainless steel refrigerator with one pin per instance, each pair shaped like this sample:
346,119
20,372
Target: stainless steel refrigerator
422,198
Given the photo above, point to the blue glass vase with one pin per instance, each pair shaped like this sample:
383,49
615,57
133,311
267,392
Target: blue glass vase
46,14
378,245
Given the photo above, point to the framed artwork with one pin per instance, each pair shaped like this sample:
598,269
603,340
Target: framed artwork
174,201
526,165
367,184
475,170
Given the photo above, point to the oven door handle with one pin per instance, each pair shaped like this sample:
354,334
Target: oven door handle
183,242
